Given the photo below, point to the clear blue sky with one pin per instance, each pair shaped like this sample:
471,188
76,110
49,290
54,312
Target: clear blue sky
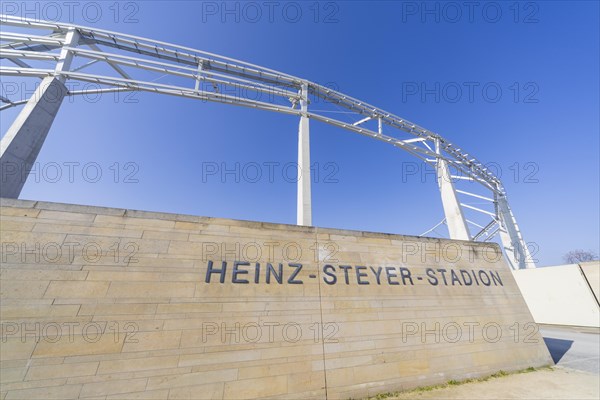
544,57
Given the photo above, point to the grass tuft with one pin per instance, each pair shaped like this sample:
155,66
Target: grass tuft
453,382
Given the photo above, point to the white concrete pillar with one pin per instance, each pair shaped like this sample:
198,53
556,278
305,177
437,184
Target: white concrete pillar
22,142
455,220
304,202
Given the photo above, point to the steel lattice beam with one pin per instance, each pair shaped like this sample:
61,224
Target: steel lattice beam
137,64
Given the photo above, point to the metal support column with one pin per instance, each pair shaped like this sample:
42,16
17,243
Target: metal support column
66,56
23,141
515,247
457,225
304,203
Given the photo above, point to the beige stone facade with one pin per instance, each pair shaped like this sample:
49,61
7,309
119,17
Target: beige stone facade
111,304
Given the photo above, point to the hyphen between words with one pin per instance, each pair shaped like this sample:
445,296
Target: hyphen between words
243,272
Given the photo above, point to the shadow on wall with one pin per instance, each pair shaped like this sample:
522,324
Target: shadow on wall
557,348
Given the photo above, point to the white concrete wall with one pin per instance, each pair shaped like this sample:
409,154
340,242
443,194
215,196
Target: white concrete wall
560,295
591,270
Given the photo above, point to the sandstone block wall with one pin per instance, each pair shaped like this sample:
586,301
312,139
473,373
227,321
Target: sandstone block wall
110,303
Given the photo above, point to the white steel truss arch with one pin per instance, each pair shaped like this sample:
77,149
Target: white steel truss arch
138,64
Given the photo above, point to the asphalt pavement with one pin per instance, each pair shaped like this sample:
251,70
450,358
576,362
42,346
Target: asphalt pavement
575,348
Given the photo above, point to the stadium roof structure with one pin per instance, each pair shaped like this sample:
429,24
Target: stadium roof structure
130,63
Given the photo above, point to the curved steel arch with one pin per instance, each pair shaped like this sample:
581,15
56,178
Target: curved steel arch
137,64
